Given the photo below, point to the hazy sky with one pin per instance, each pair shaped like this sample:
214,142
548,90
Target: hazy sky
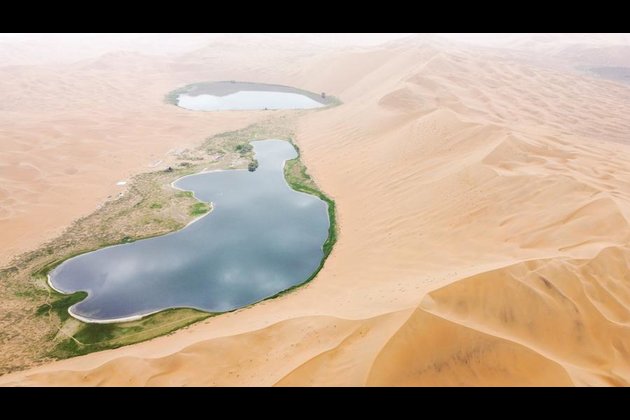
325,39
484,38
500,39
57,48
316,38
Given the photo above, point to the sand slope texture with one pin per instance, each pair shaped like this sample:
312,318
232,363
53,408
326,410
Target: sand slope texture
483,207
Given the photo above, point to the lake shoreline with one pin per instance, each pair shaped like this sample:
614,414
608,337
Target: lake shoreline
27,276
225,88
307,252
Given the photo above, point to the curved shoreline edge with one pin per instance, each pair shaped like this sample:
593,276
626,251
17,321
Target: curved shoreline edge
331,239
326,246
108,321
222,88
115,222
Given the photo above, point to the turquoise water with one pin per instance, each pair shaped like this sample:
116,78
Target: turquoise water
261,237
248,100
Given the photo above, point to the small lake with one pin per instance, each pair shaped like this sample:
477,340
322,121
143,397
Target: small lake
261,237
221,96
247,100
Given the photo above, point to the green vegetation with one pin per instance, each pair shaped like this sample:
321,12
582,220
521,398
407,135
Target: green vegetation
184,194
298,179
60,305
94,337
198,209
36,320
149,207
244,149
253,165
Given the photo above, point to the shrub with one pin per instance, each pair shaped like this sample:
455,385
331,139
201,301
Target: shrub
243,149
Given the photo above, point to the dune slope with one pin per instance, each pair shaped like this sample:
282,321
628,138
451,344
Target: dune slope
483,207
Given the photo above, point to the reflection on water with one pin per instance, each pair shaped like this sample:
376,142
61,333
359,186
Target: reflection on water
247,100
261,238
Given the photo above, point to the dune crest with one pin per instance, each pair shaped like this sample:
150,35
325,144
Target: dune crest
484,209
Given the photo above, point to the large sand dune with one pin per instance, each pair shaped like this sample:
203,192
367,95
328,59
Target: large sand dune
483,206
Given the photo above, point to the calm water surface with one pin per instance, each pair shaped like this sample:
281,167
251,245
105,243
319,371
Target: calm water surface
262,237
247,100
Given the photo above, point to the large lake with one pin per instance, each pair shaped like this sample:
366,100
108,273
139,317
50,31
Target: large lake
261,237
247,100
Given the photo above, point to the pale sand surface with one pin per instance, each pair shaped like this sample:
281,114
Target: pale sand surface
483,207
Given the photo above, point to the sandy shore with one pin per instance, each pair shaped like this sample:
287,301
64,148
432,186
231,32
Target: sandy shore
483,207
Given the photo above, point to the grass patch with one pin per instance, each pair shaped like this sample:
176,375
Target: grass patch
60,305
198,209
184,194
32,294
94,337
298,178
244,149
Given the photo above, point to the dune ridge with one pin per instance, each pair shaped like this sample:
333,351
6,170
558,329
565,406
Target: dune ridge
483,207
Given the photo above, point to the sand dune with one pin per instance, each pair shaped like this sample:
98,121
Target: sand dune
68,137
483,206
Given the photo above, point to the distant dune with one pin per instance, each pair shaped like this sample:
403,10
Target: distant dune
483,206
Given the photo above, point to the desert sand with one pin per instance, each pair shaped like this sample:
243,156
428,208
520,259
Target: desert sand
483,205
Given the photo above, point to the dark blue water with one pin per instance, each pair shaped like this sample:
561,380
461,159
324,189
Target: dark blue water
261,237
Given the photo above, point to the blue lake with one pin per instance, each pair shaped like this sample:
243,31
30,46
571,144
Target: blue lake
261,237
